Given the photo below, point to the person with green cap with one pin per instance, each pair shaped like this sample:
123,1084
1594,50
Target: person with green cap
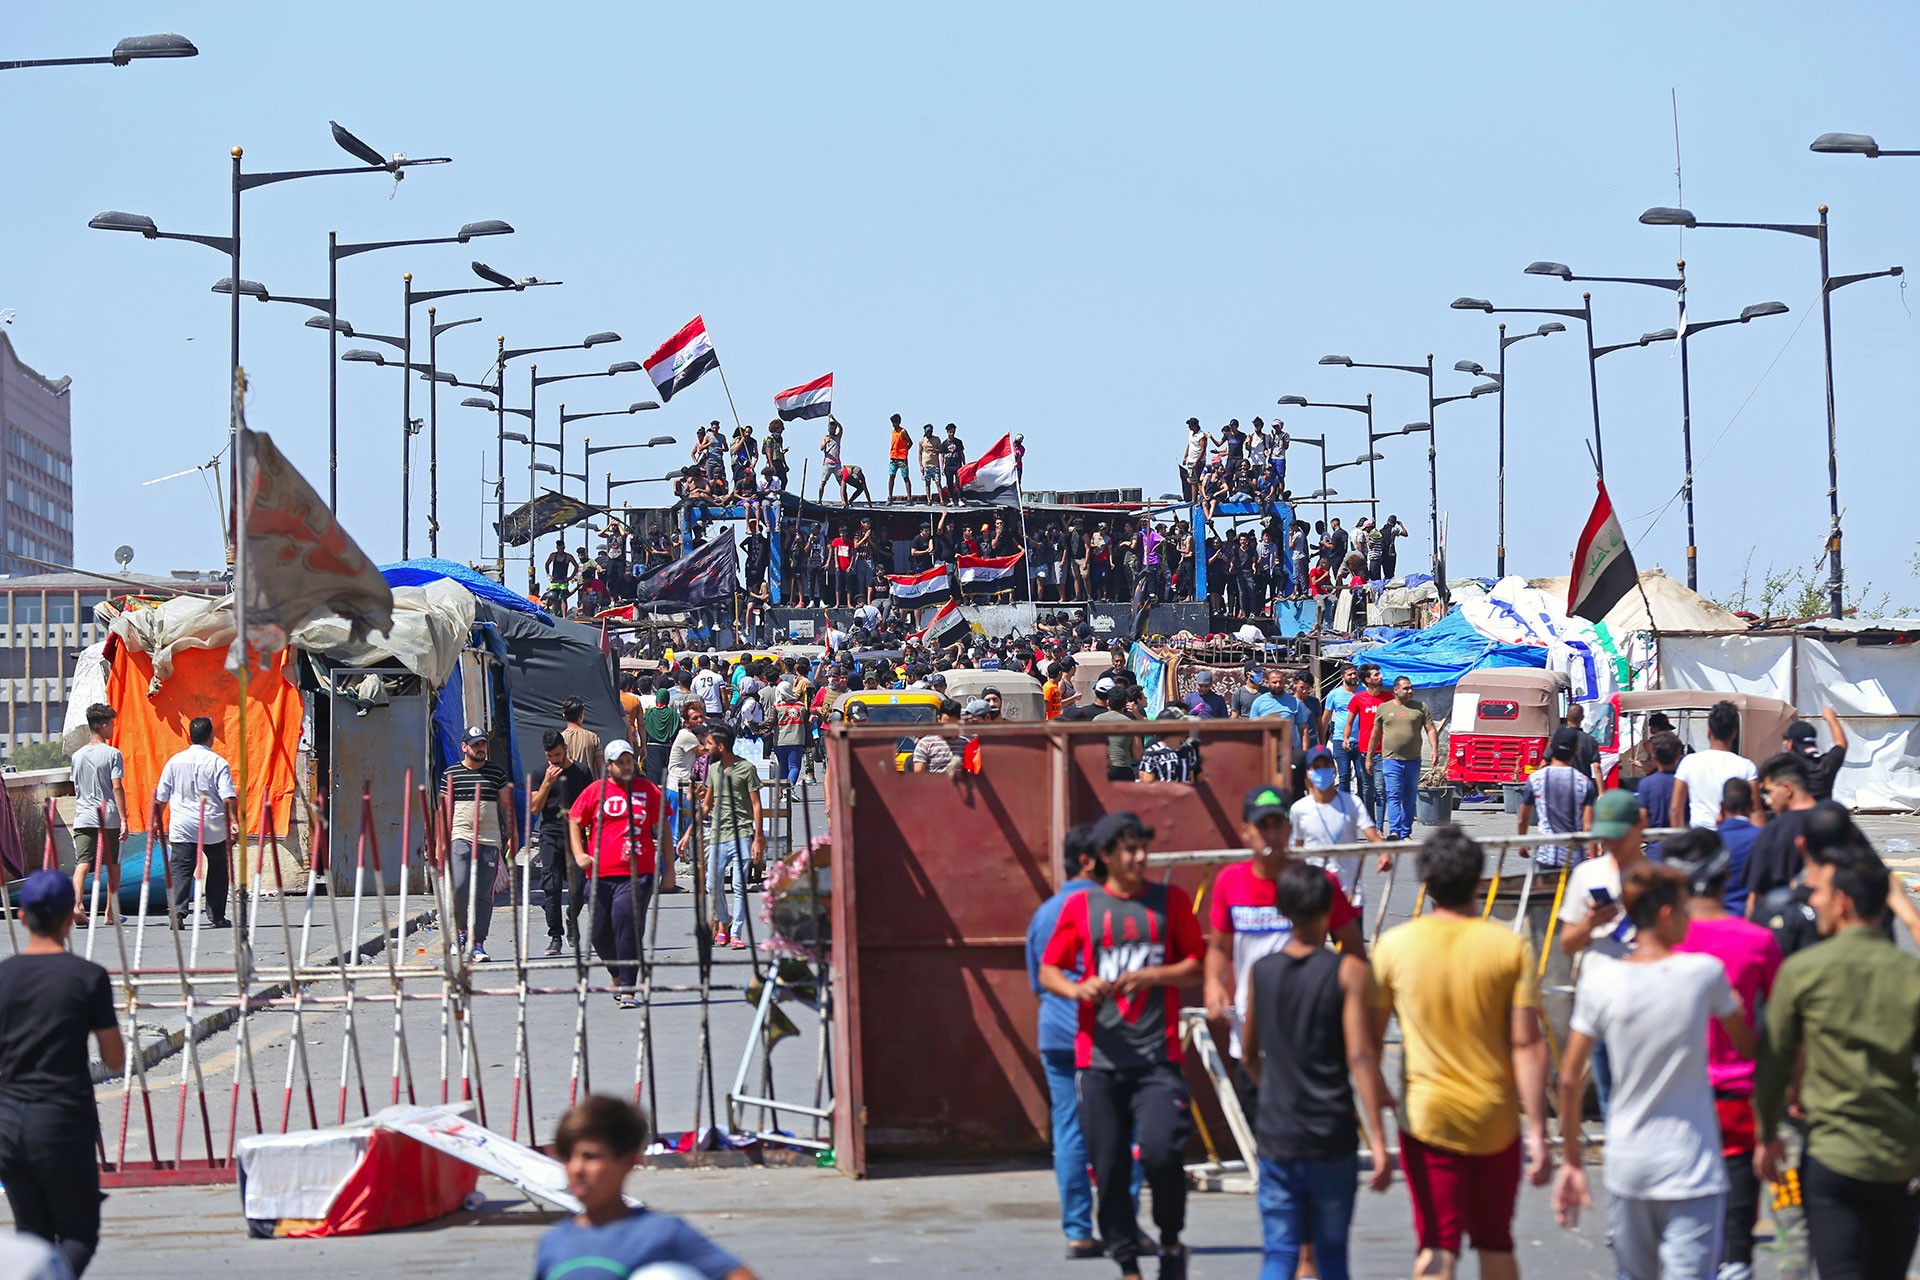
1590,913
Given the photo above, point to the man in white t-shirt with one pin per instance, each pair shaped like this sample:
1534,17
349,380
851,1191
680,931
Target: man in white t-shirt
1703,776
709,687
1666,1180
99,813
1326,815
196,795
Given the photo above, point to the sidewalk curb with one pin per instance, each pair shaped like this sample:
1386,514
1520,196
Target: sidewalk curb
154,1052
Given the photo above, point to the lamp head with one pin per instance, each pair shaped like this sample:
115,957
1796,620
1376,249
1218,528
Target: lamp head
360,355
340,326
1415,428
248,288
477,402
1560,269
658,440
1662,216
1468,366
1370,457
1298,402
1345,362
1658,335
114,220
165,45
1472,304
1485,389
1846,144
484,227
1551,326
1759,309
491,276
605,335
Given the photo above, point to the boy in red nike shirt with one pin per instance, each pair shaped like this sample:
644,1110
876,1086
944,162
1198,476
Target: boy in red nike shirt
1138,944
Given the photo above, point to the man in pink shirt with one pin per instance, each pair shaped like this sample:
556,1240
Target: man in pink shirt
1751,958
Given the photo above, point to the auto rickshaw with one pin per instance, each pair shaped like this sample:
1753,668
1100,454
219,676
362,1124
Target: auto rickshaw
1020,694
912,707
1763,723
1502,718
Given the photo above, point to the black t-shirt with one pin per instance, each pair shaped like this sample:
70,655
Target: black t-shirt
565,790
1774,860
753,548
1822,769
953,454
1306,1101
49,1005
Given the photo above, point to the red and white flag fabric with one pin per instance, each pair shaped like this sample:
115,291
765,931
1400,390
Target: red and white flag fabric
946,625
994,476
993,572
682,359
1603,568
931,587
808,400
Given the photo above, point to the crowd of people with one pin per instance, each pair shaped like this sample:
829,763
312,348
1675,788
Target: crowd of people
1740,1010
1095,555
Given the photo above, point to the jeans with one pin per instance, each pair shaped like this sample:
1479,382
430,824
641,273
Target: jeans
180,861
722,854
559,875
1144,1108
1602,1078
1399,780
616,925
1347,760
1307,1202
789,758
460,870
1366,781
1743,1202
52,1179
1859,1230
1668,1239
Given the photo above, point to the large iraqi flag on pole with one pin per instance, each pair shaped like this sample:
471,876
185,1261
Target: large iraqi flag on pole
930,587
808,400
682,359
991,573
1603,568
993,476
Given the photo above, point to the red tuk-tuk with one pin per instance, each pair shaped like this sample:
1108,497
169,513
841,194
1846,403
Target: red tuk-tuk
1501,721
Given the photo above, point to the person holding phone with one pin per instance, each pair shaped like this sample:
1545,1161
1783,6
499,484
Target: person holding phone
1590,915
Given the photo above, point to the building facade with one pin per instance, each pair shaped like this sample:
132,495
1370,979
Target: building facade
45,621
36,467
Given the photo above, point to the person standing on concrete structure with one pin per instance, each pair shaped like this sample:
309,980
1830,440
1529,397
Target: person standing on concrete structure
196,792
99,813
50,1002
1473,1060
479,798
1136,945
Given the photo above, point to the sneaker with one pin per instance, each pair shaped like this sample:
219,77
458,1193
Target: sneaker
479,955
554,946
460,940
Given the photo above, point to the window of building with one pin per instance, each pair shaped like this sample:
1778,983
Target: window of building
60,607
26,606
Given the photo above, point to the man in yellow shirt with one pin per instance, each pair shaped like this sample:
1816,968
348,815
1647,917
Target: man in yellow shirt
1472,1057
899,450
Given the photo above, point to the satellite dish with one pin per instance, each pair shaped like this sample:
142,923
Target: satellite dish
123,555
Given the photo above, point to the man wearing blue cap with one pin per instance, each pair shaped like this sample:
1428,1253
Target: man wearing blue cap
50,1002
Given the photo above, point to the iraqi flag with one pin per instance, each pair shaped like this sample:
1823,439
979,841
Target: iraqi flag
808,400
682,359
992,477
990,573
931,587
1603,568
946,626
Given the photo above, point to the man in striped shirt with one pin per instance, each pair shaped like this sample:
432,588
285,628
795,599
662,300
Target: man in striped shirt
479,804
1562,797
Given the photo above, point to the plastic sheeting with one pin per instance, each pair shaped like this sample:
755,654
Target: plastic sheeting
546,663
431,623
1440,654
1517,613
184,622
89,685
424,569
1873,688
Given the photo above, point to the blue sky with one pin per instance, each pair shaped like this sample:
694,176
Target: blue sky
1084,223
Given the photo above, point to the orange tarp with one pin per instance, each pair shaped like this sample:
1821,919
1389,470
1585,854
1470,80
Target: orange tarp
149,731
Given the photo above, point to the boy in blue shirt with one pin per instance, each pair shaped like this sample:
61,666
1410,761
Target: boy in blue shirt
600,1141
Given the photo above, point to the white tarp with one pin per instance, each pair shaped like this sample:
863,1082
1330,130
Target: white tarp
1517,613
89,685
1874,689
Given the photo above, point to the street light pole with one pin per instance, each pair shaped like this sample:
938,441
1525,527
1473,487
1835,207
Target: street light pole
434,330
1301,402
1469,366
126,52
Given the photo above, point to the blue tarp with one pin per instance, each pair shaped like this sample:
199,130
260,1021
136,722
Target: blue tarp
1442,653
424,569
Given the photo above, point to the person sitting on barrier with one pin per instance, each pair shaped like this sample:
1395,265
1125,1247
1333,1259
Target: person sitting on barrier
1245,920
1469,1008
600,1141
1057,1020
1315,1007
1136,944
50,1002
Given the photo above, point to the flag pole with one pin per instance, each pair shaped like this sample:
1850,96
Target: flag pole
1653,627
1026,545
722,371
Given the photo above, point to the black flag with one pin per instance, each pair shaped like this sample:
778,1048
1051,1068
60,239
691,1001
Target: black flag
706,576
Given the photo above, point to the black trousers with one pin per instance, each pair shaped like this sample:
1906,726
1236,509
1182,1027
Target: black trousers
1743,1202
1147,1106
52,1180
616,933
556,868
1855,1230
180,859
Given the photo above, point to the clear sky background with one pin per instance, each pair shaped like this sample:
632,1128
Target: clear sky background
1080,222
